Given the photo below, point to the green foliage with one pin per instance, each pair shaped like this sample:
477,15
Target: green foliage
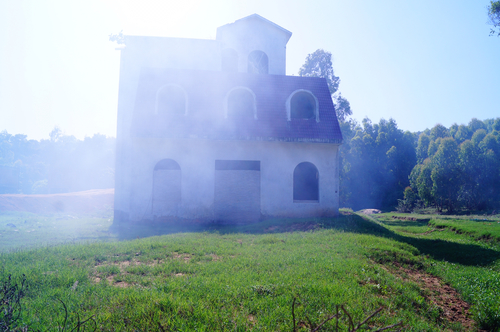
475,125
342,107
319,64
461,171
423,147
478,136
376,162
445,175
421,180
494,16
463,133
59,164
433,147
409,202
438,131
496,125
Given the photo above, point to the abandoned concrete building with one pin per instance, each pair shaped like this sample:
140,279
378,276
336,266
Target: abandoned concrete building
214,130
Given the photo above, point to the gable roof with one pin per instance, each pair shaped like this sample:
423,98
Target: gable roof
205,118
256,17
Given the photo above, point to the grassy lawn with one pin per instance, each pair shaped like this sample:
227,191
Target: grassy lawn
24,230
462,254
245,278
481,228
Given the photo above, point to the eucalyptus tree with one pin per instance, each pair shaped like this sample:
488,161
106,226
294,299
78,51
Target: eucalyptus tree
445,175
422,147
319,64
377,164
494,16
460,167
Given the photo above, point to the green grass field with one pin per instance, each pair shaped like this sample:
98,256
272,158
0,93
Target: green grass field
24,230
246,278
462,255
480,228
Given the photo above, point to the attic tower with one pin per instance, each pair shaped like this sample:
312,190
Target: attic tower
253,45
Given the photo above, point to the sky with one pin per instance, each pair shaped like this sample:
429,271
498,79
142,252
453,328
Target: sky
419,62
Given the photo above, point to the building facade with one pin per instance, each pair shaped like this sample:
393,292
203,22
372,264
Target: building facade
213,130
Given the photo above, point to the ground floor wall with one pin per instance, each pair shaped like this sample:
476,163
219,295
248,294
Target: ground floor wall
207,185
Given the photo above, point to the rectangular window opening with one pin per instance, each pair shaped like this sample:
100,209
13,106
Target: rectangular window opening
237,165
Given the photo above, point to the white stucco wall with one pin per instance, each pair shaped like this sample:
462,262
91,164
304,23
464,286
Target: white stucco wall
196,159
152,52
245,36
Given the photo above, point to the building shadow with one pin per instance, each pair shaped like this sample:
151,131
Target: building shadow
458,253
453,252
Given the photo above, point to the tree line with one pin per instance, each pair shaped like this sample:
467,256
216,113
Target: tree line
449,169
62,163
382,166
458,167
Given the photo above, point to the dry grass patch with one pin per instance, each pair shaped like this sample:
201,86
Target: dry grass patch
116,271
110,275
185,257
215,258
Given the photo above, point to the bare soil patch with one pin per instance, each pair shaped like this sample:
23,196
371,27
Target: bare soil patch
185,257
122,265
83,202
453,308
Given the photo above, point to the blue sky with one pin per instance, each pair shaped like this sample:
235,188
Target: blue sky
419,62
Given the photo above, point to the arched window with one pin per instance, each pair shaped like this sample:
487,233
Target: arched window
240,103
166,188
302,104
171,99
305,183
258,63
229,60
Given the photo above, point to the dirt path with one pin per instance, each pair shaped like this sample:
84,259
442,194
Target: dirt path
453,308
82,202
